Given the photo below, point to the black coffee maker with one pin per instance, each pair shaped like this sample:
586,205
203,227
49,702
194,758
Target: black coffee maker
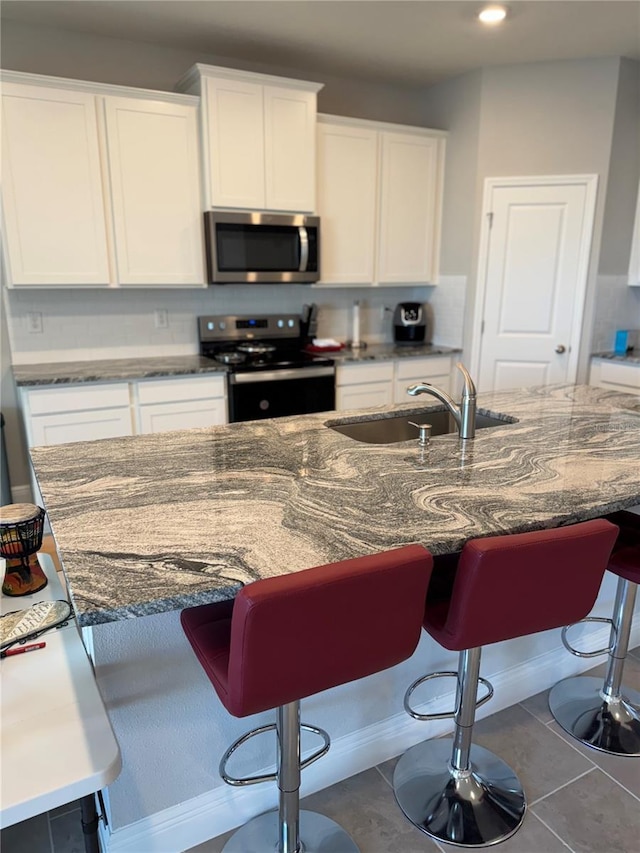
410,323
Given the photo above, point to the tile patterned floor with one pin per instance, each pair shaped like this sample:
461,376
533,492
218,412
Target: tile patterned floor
579,800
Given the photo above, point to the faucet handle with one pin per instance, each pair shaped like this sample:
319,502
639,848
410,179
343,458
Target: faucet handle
469,389
425,433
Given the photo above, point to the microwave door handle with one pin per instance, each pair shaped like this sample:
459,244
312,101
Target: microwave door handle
304,248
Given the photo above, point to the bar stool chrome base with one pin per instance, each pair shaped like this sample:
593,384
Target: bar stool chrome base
475,808
318,834
579,706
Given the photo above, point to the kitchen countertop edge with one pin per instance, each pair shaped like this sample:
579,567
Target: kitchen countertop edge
133,369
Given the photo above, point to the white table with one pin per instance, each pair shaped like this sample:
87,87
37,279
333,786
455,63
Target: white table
57,741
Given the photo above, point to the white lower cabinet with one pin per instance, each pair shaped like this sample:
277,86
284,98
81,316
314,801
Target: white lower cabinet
410,371
183,403
85,412
55,415
361,386
615,375
380,383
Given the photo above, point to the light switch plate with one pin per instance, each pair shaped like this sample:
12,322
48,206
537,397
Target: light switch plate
162,318
34,322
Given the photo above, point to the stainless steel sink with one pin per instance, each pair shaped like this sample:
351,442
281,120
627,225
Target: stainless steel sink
400,427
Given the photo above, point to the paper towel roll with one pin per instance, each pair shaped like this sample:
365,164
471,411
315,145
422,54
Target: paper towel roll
355,325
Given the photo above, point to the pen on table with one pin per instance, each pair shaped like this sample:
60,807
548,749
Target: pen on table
21,649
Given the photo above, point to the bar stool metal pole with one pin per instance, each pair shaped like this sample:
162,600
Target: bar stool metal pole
605,716
622,617
469,670
288,733
446,794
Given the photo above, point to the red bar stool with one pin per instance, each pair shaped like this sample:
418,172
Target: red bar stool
504,587
607,716
288,637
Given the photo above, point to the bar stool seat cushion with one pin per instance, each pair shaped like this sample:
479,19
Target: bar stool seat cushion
298,634
514,585
208,629
626,563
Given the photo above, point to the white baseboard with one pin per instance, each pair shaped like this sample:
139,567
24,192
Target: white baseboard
204,817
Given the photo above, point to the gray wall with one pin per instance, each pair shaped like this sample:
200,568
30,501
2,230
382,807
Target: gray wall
624,174
552,118
455,105
532,119
82,56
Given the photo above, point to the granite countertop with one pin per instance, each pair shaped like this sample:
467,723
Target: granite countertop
131,369
629,357
153,523
125,369
385,352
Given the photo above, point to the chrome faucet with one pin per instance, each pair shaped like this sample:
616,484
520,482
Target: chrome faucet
464,414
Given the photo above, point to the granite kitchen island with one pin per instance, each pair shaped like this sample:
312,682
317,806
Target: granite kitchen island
150,524
154,523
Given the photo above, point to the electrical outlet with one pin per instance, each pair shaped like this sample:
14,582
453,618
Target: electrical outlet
34,322
162,318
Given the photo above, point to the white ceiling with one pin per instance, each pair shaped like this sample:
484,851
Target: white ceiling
408,42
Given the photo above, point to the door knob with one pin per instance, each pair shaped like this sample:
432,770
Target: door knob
560,349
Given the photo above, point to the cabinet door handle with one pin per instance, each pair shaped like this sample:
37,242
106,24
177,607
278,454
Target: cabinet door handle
560,349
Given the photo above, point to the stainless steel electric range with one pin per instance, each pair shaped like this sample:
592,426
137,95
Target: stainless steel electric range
270,374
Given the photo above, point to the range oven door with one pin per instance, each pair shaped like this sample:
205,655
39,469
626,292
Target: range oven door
276,393
262,248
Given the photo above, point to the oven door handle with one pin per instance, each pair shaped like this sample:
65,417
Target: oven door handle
277,375
304,248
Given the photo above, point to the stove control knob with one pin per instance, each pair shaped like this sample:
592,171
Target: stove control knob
291,324
223,326
280,324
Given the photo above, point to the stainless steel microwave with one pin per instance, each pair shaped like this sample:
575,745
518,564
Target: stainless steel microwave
262,248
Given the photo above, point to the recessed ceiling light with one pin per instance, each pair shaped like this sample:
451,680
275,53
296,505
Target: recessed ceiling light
493,14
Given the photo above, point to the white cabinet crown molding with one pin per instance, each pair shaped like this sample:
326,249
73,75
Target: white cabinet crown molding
326,118
191,81
95,88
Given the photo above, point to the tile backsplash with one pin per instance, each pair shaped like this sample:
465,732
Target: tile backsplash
97,324
617,307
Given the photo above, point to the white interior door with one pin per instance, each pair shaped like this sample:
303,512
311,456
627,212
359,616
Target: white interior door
535,260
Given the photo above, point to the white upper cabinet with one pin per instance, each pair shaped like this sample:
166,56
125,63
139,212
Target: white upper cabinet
101,185
347,170
233,142
380,202
410,208
290,149
153,163
258,139
52,187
